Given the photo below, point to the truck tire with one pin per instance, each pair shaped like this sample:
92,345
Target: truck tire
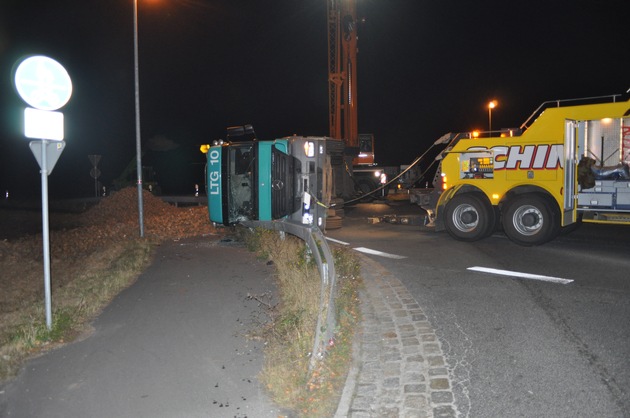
530,220
337,203
469,218
336,208
333,222
364,187
336,212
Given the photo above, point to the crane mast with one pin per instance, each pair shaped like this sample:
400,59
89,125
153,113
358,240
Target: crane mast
342,76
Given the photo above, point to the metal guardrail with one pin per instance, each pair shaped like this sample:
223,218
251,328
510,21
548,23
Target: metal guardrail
314,238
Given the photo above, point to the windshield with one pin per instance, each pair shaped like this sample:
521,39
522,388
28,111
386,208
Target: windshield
241,182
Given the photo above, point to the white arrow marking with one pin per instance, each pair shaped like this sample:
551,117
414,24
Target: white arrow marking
521,275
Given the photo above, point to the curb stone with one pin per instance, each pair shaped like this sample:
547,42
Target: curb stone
399,369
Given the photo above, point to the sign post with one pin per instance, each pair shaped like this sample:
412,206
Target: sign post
45,85
95,172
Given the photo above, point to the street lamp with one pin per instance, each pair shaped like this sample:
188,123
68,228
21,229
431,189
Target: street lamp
137,95
491,106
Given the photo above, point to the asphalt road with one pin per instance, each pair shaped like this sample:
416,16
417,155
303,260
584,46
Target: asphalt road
517,347
174,344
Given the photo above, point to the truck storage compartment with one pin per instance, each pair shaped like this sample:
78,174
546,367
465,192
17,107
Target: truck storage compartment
622,186
595,199
623,199
623,194
601,186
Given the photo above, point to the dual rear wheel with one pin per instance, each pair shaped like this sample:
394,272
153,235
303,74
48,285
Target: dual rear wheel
531,220
469,217
528,219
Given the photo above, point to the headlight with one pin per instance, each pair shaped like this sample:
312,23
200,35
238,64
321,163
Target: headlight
309,149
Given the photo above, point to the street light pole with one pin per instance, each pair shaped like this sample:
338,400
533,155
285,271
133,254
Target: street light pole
137,96
491,106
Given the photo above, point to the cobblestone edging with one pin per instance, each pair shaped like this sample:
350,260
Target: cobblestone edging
401,370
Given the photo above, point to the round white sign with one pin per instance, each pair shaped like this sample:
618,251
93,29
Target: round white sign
43,83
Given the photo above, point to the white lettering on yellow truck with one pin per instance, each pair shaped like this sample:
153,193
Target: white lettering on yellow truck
527,157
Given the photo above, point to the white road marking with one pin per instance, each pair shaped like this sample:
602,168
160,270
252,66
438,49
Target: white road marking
521,275
379,253
367,250
337,241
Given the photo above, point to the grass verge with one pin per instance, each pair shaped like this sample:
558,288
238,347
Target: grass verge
75,305
290,332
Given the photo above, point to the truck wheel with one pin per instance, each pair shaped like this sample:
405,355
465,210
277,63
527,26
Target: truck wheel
530,220
336,212
336,208
364,187
469,218
337,202
333,222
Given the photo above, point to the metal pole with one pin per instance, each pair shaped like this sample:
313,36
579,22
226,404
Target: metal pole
489,118
138,142
45,237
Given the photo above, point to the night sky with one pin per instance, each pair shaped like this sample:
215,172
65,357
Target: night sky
425,68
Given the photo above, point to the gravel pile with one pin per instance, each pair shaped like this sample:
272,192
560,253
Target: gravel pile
89,241
161,220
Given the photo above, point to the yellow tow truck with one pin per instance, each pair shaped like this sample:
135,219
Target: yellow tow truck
568,163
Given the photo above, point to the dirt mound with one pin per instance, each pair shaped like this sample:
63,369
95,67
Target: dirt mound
161,219
75,250
122,207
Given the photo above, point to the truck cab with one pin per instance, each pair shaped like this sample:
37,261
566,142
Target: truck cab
288,178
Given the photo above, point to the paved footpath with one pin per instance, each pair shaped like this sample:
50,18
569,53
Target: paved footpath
174,344
399,369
